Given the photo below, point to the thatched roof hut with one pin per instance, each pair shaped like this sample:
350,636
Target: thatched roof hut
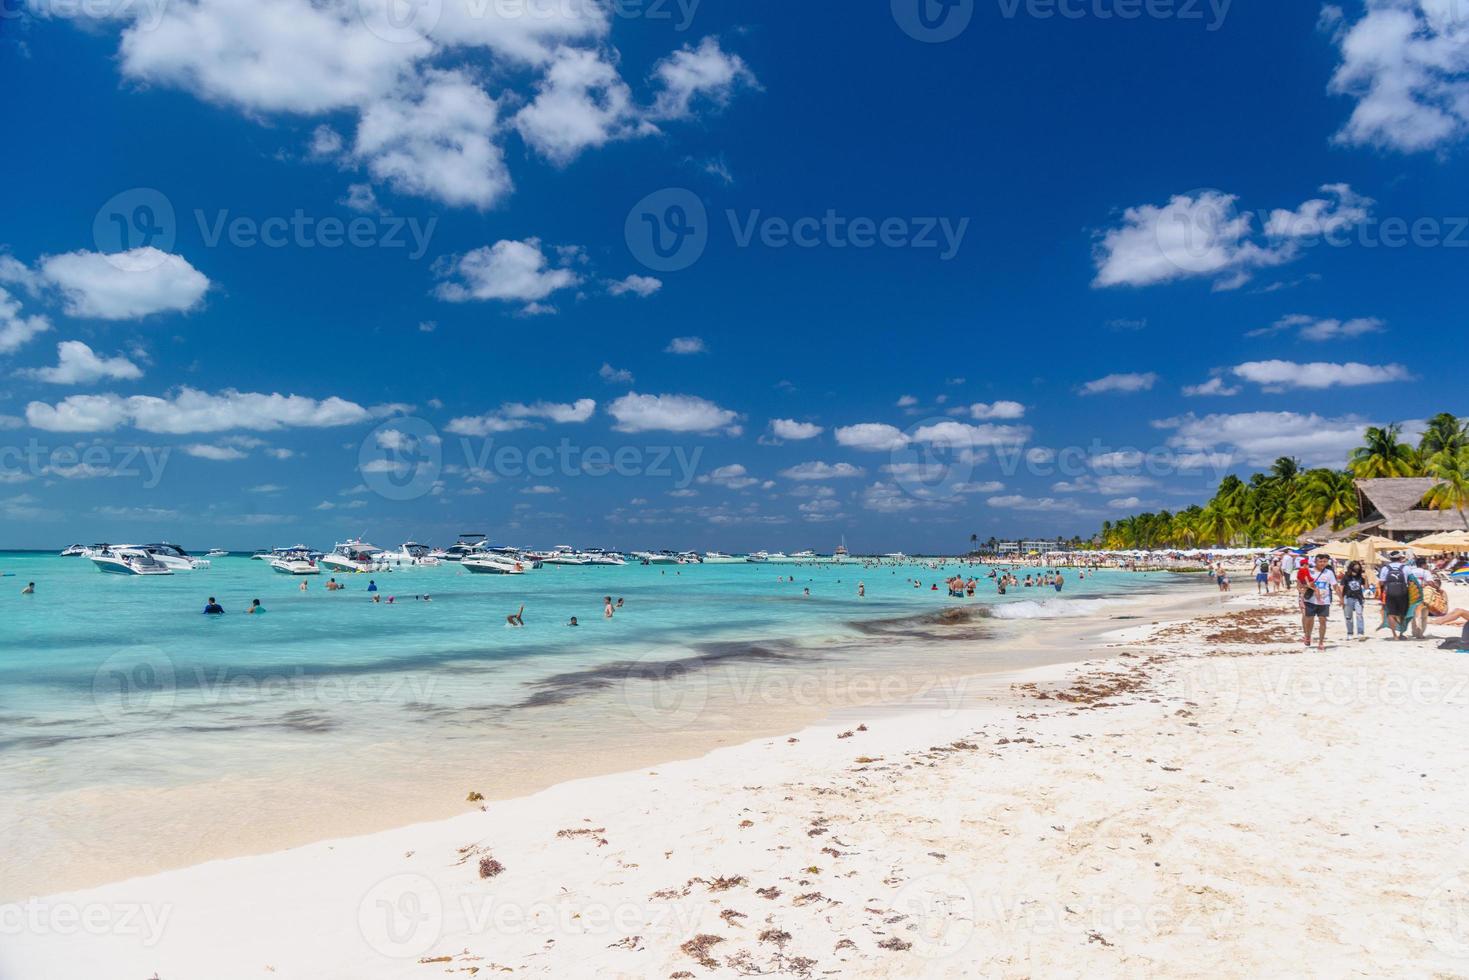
1394,509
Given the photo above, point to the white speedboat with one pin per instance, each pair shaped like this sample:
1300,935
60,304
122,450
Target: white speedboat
804,557
174,557
596,556
720,558
74,551
489,562
562,555
216,553
355,555
758,557
411,554
467,544
294,561
127,560
690,558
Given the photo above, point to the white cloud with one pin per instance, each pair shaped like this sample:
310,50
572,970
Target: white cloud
693,74
15,330
436,141
671,413
361,197
581,103
613,375
124,285
794,431
733,476
961,435
540,490
1406,62
643,286
1214,387
997,410
1205,236
874,437
1121,383
1259,438
191,411
1319,329
1125,503
821,471
1018,502
221,454
515,415
686,345
1282,375
265,488
79,364
907,401
509,271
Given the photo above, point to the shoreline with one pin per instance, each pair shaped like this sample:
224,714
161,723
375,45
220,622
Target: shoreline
1201,793
682,714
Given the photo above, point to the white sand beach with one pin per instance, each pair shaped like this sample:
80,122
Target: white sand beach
1200,798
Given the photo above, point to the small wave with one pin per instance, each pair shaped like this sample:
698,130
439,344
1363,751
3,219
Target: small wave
1051,608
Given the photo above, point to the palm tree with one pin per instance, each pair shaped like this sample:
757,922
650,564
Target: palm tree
1327,496
1384,455
974,542
1451,469
1444,431
1285,469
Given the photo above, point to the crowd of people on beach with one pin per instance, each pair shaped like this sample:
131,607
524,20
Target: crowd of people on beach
1411,595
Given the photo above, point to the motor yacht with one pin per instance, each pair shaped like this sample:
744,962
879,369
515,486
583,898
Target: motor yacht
562,555
596,556
74,551
720,558
174,557
412,554
467,544
127,560
295,561
355,555
758,557
491,562
216,553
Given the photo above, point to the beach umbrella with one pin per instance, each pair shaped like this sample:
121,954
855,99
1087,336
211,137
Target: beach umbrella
1445,541
1341,550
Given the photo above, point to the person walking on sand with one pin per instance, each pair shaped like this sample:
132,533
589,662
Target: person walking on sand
1316,596
1353,600
1393,581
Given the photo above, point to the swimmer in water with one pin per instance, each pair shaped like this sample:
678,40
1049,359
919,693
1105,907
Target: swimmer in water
213,608
573,622
861,590
255,607
30,589
607,607
516,619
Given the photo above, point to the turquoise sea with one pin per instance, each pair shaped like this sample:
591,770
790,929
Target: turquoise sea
135,723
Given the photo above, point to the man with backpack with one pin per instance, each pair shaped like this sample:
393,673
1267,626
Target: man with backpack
1394,579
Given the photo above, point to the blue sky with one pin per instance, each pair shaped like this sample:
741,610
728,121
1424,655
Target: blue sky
1049,270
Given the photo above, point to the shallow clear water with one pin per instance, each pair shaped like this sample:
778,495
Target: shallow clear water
116,692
